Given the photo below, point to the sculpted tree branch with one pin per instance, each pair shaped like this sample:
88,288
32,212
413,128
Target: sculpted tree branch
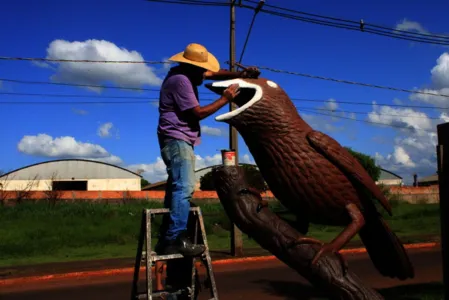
245,207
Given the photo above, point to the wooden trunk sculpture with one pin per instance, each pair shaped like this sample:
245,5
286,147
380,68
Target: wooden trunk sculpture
246,209
313,175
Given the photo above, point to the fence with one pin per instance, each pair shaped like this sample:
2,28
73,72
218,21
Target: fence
416,195
428,194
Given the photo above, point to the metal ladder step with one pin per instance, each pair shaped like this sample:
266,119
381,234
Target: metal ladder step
165,257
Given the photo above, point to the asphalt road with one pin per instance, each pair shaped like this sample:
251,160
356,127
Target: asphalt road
264,280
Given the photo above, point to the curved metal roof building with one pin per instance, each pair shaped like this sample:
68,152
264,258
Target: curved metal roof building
72,174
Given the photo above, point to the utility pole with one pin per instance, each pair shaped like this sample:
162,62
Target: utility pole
443,183
236,234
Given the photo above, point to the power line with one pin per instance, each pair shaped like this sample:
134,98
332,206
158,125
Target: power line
192,2
155,101
256,11
311,110
354,25
84,60
84,85
369,122
370,104
71,96
145,100
367,113
351,82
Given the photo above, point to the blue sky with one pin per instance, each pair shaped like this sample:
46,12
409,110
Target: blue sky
121,30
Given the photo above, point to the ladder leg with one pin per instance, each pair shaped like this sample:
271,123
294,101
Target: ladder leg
210,273
149,260
138,258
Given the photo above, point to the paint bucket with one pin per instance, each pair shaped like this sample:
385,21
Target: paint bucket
228,157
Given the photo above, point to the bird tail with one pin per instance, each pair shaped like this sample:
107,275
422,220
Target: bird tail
385,249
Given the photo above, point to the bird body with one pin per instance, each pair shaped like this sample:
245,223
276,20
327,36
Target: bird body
311,174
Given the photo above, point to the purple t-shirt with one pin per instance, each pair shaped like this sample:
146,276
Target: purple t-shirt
177,95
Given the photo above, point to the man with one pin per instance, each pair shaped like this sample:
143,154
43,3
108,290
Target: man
179,132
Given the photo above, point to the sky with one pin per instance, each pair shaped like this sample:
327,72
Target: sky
125,134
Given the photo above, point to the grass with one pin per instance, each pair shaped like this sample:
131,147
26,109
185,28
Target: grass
37,233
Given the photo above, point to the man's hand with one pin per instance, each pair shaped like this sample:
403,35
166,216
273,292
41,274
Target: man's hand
231,92
201,112
250,72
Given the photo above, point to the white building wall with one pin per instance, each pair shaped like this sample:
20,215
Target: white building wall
390,181
20,185
128,184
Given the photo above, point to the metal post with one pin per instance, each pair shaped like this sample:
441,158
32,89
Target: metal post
443,182
236,234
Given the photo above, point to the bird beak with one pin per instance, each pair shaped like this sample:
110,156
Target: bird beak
249,94
216,89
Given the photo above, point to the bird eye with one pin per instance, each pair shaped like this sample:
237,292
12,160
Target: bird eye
272,84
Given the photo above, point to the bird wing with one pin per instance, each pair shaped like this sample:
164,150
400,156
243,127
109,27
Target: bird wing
347,163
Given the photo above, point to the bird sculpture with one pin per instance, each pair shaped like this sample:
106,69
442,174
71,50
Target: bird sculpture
312,175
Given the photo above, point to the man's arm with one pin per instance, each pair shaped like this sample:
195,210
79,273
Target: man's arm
202,112
223,74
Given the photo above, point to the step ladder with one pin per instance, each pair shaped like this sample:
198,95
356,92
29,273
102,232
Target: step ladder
190,277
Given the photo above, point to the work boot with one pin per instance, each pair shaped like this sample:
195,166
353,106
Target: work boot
182,245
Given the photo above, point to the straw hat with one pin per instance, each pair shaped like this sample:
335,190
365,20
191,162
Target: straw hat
197,55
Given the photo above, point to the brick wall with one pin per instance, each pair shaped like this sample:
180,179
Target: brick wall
421,194
409,194
111,195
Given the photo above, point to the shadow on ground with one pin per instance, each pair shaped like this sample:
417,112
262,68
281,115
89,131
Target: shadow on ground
295,290
424,291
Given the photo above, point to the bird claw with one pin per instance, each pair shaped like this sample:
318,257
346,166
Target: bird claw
328,249
309,240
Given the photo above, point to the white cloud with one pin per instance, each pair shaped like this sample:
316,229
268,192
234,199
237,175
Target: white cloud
331,104
246,159
413,150
105,130
440,84
156,171
406,25
440,72
402,157
401,117
397,101
444,117
202,162
64,147
213,131
80,111
166,67
323,123
121,74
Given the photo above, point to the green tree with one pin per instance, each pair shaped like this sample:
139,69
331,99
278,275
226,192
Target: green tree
367,162
253,176
143,183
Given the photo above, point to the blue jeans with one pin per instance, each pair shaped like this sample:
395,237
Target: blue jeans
179,159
